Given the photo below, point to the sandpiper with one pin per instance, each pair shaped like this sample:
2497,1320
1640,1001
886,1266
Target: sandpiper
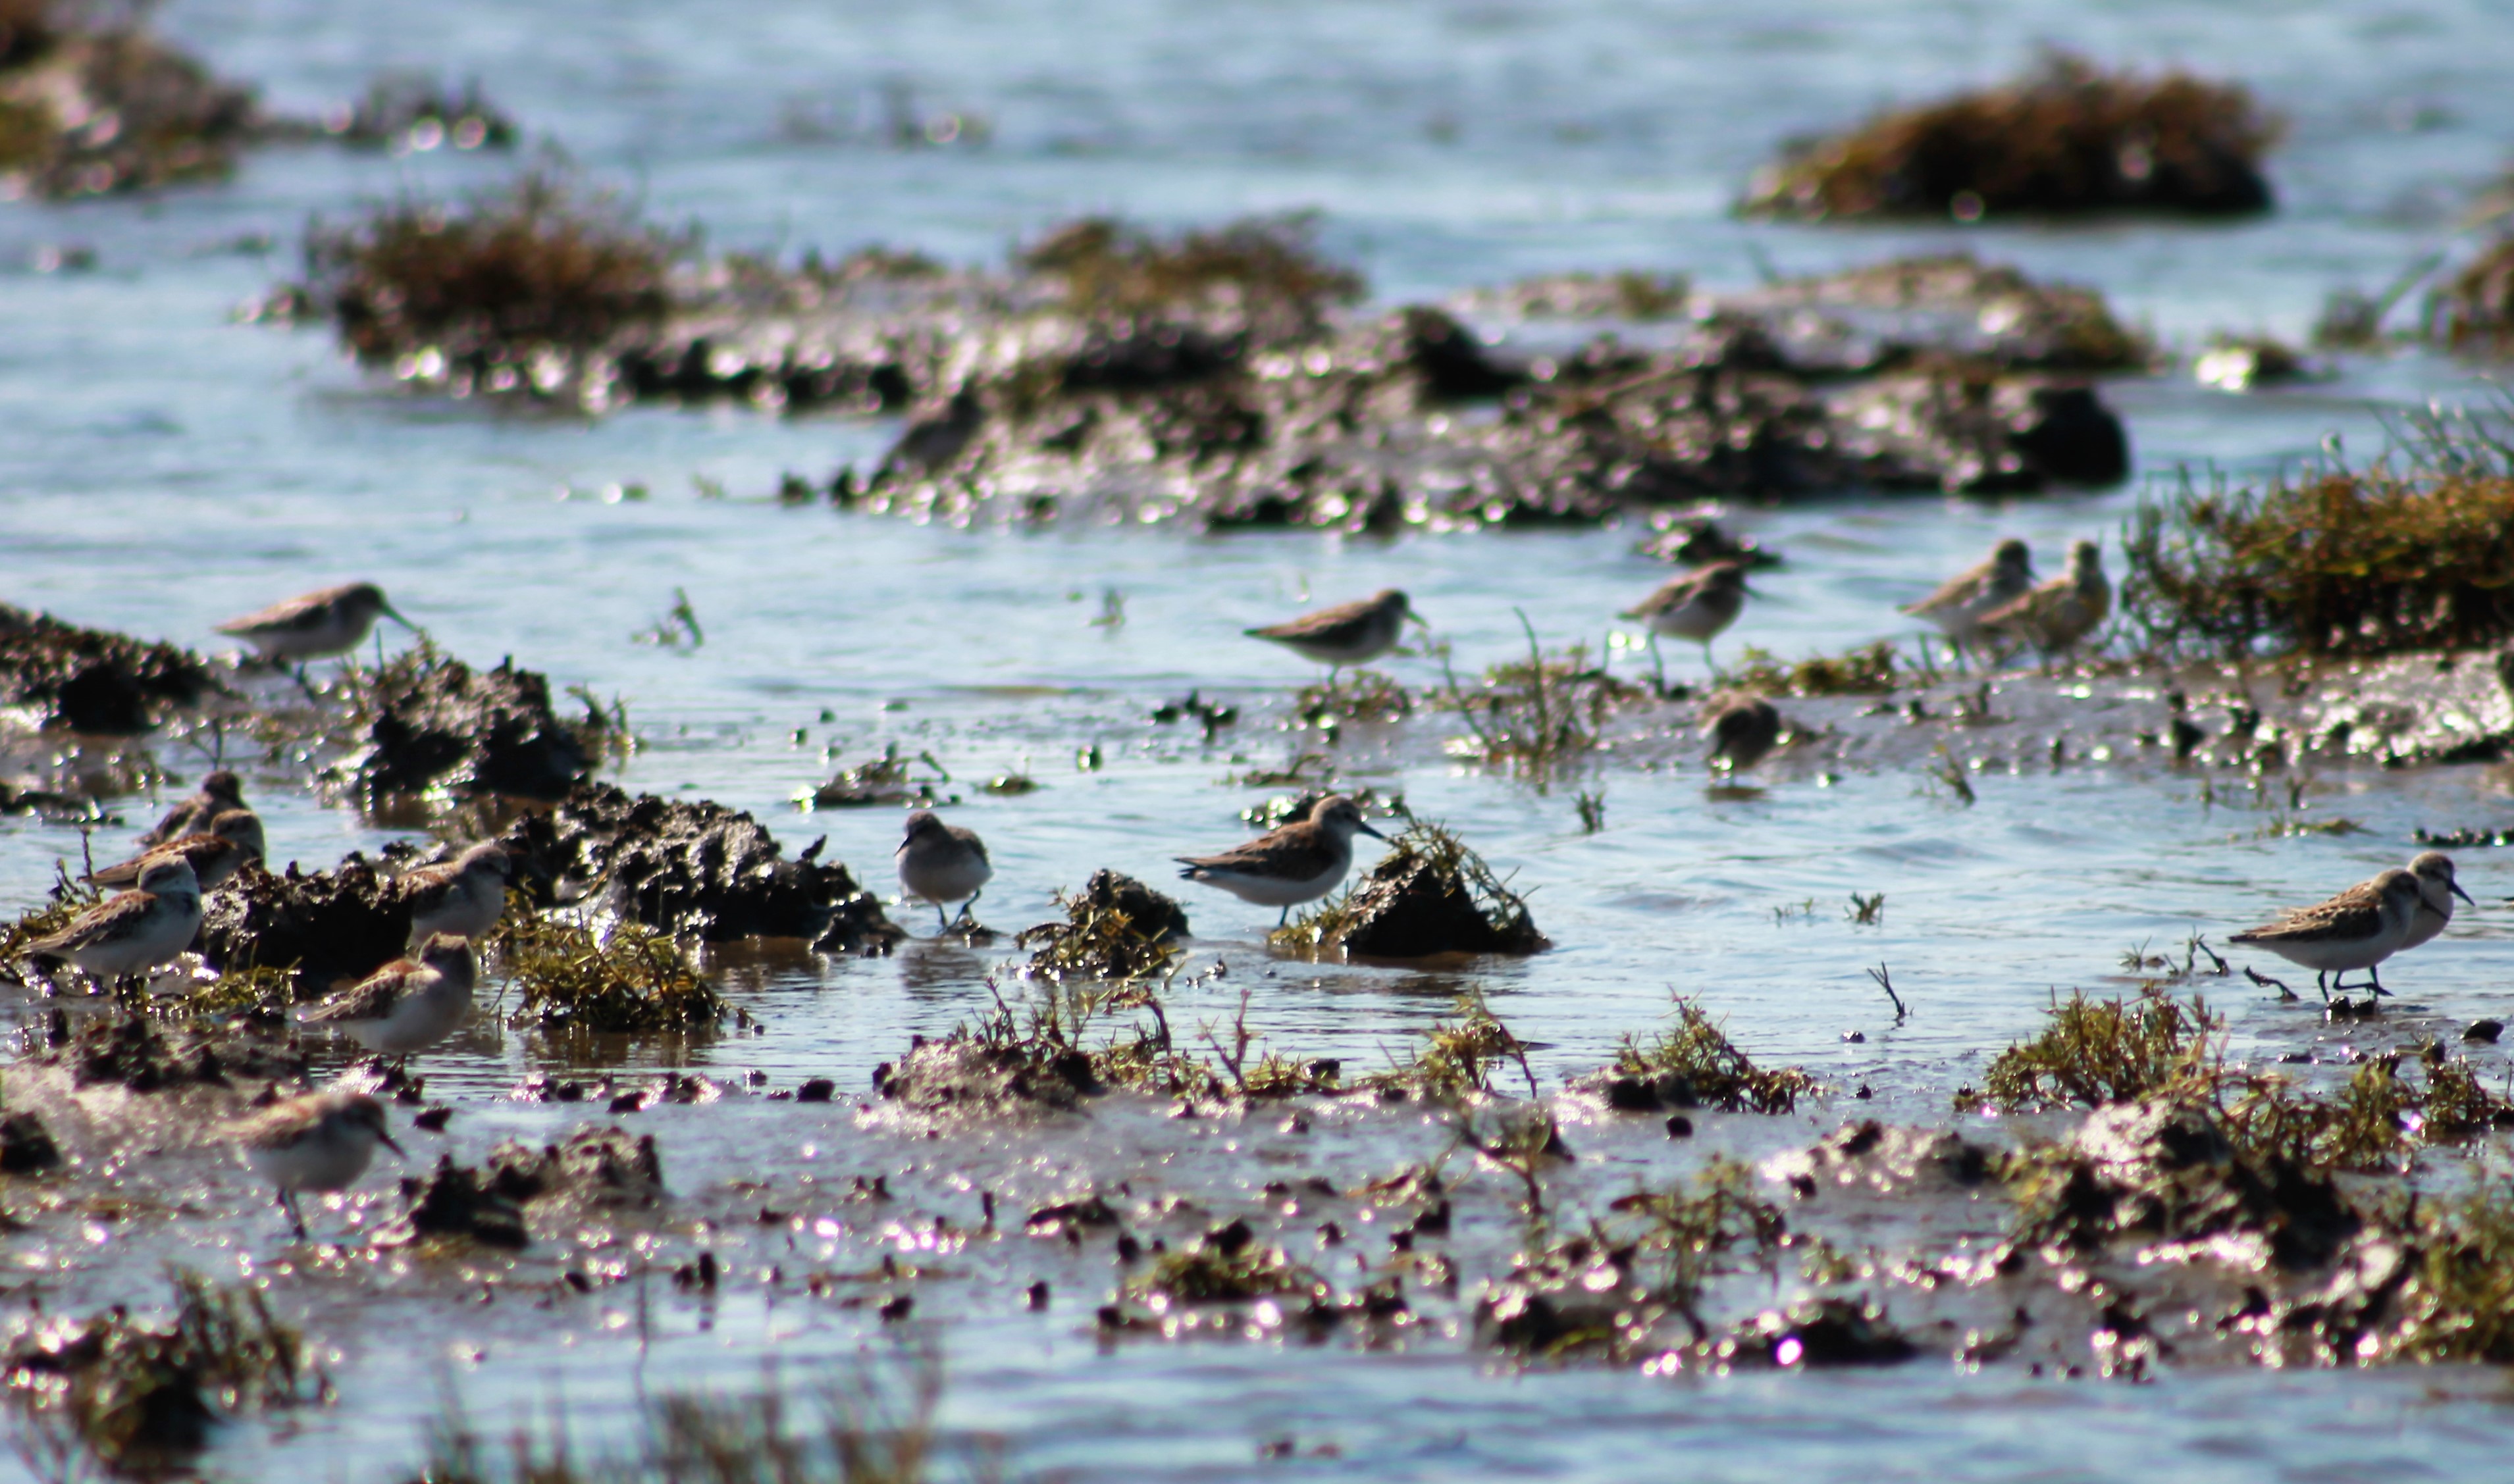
465,895
941,862
2436,891
137,931
319,1142
1742,729
219,792
2357,929
215,855
1957,607
1349,633
2058,615
409,1004
314,624
1301,861
1696,606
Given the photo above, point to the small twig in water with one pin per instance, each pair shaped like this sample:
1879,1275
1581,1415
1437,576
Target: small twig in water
1901,1011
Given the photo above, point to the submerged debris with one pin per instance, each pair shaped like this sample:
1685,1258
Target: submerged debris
1227,1266
2069,139
2409,554
89,680
1694,1065
451,1201
632,979
433,723
887,779
2475,311
697,869
1114,928
138,1398
1429,894
138,1053
410,110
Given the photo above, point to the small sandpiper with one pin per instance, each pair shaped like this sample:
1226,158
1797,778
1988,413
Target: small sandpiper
2058,615
465,895
1697,605
314,624
941,862
409,1004
219,792
215,855
1743,728
137,931
1957,607
1349,633
319,1142
2357,929
1300,861
2436,891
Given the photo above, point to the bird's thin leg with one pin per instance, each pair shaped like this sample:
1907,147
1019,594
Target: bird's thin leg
942,924
968,909
288,1206
2374,977
2322,982
299,675
1658,665
1284,917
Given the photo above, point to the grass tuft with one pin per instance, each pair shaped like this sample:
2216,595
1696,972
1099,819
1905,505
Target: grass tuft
1870,672
571,979
1266,269
1694,1063
1539,716
2094,1053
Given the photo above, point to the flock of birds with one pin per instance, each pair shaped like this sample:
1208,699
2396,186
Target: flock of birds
323,1141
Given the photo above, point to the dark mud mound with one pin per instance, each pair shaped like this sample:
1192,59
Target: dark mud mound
2169,1171
89,680
2071,138
596,1167
136,1053
1114,928
1888,1159
1822,1331
65,67
1427,895
327,927
450,1201
961,1076
26,1146
702,869
435,723
1982,432
1887,315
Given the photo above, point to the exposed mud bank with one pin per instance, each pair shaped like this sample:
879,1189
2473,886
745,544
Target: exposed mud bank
434,724
89,680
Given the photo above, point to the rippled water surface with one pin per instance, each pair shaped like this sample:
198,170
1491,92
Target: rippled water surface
162,469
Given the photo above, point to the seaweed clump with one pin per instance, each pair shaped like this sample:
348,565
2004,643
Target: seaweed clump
2409,554
2475,310
1263,273
2069,139
1227,1265
1694,1065
1869,672
1115,928
501,291
89,680
634,980
433,722
1536,716
2097,1053
1429,894
91,104
139,1398
697,869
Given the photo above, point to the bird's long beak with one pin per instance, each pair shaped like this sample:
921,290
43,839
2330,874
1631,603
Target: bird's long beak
394,613
387,1139
2456,889
1364,827
1416,618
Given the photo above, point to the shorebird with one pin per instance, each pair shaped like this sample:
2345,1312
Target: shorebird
2436,891
941,862
314,624
1300,861
1742,729
219,792
137,931
214,853
319,1142
1958,606
2357,929
1696,606
465,895
409,1004
1349,633
2055,616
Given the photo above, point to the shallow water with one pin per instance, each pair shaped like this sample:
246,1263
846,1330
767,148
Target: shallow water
161,468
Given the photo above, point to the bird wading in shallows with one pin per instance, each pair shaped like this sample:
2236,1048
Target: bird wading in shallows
1349,633
1301,861
940,862
1960,604
134,932
1697,605
2357,929
2057,616
407,1005
331,621
319,1142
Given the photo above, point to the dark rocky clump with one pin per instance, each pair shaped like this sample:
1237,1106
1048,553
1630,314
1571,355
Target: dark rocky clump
66,69
1822,1331
134,1051
1429,894
451,1202
963,1075
26,1148
699,870
596,1166
89,680
2069,139
401,108
327,927
2168,1169
1114,928
433,722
